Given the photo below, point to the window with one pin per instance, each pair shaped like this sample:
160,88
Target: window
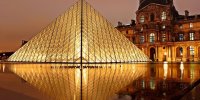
191,25
191,36
152,37
163,37
142,19
127,32
163,27
181,37
181,51
163,16
141,29
191,51
152,17
181,26
141,39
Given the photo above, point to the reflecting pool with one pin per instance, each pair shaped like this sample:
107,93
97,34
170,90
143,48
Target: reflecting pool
97,82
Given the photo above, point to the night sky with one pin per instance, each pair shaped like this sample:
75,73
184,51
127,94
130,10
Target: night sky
22,19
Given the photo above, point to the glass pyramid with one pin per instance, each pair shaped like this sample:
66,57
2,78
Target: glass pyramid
80,35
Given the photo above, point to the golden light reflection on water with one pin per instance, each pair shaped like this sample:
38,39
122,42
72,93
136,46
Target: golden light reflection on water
182,70
163,80
165,67
62,82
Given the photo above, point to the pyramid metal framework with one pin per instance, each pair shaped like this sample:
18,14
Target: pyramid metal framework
80,35
59,83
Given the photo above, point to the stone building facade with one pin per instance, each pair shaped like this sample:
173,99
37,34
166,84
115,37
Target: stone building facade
161,33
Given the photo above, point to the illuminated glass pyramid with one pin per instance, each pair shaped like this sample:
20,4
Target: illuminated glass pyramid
80,35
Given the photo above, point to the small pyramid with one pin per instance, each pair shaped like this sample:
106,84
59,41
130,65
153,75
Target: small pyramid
80,35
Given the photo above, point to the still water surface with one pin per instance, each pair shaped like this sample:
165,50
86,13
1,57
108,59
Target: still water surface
96,82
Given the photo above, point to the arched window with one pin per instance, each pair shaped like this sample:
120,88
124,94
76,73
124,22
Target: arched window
152,38
142,19
163,16
152,17
179,52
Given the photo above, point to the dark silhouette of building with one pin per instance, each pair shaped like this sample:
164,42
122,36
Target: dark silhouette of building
5,55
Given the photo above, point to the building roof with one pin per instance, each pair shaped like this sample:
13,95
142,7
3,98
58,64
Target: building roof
188,18
144,3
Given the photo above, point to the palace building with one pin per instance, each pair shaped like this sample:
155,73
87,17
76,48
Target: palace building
162,33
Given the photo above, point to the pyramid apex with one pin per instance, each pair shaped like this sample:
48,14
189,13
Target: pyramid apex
79,36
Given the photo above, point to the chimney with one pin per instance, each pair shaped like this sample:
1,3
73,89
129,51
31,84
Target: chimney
186,14
119,24
133,22
24,42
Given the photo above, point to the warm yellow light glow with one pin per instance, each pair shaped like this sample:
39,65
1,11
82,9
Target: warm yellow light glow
182,69
4,67
165,53
99,83
165,67
62,40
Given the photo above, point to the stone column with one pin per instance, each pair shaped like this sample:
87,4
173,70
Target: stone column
173,53
184,54
195,53
169,53
198,53
197,35
160,49
156,56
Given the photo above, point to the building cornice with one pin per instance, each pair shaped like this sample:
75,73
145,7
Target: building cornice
149,5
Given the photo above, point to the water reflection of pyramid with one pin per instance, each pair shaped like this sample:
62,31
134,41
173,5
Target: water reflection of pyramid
81,34
60,83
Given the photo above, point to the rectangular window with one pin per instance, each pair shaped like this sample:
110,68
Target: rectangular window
152,38
191,25
181,37
163,16
191,36
191,51
142,39
181,26
142,19
163,37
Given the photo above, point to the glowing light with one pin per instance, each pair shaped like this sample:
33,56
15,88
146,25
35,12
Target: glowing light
182,69
60,83
165,67
165,53
4,67
78,28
